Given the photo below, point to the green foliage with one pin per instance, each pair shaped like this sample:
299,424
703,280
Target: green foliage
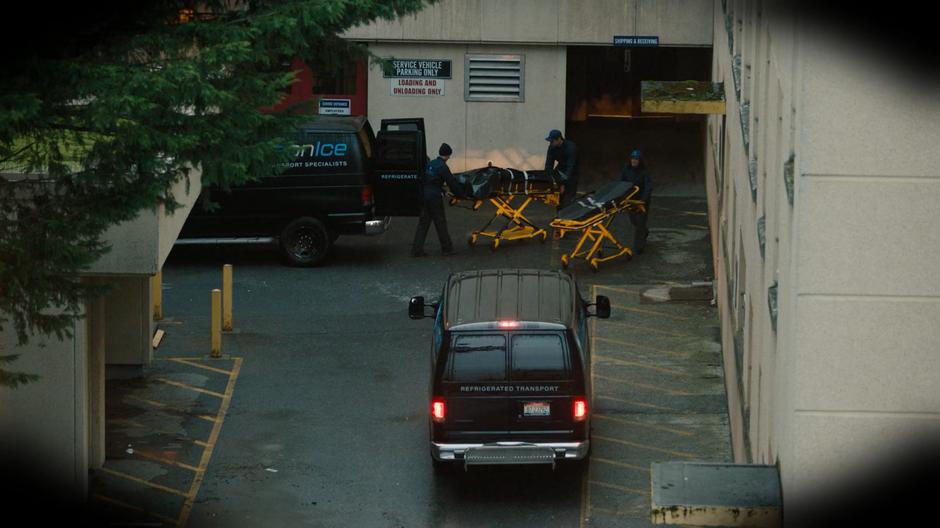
105,114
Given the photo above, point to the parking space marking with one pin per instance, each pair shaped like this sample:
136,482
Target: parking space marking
620,488
620,289
642,446
649,405
645,386
142,482
122,504
620,464
641,424
674,353
667,370
614,513
190,387
213,438
632,326
157,458
164,406
649,312
186,361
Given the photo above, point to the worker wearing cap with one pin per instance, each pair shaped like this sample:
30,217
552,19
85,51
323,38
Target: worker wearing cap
565,153
635,172
435,176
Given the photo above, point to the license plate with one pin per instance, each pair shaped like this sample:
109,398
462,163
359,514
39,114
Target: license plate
537,409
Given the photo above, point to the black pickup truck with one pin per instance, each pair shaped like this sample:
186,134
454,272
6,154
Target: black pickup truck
510,368
344,180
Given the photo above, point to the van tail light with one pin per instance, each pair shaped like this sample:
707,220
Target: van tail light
367,195
579,409
438,410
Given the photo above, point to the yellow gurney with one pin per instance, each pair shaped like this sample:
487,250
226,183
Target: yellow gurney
510,191
592,216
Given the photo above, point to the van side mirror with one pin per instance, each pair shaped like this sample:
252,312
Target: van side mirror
601,307
416,308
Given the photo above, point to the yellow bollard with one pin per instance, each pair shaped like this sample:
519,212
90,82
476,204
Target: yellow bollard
227,297
216,330
156,294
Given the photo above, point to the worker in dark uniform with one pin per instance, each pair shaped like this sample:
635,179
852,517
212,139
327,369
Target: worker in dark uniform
436,174
565,153
635,172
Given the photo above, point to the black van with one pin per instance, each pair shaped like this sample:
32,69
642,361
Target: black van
345,180
510,368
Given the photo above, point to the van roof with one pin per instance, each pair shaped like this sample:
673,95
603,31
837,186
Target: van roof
531,295
335,123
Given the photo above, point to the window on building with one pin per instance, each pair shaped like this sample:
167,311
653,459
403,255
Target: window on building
495,78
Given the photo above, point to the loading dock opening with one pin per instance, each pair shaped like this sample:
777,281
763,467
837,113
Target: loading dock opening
604,116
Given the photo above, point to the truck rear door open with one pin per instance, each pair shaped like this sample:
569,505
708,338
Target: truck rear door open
401,156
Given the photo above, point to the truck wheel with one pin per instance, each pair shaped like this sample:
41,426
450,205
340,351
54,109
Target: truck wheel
305,242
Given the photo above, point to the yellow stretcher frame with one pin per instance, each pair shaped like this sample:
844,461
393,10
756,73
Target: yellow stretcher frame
517,226
596,229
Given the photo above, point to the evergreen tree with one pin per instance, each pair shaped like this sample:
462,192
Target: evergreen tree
103,108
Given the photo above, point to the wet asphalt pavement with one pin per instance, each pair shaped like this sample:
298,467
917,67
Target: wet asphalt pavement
316,414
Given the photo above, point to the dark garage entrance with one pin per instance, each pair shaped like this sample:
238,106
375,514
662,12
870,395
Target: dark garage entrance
604,119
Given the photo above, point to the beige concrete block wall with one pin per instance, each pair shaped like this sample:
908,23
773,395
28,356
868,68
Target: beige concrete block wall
675,22
865,372
852,371
511,134
45,423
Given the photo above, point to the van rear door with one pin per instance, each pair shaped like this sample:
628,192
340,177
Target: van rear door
401,155
475,389
543,388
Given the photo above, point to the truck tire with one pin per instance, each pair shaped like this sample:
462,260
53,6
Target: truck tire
305,242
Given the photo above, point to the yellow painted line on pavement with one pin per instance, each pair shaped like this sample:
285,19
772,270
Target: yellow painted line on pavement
642,446
618,289
641,424
163,460
650,405
616,463
621,488
632,326
615,513
640,364
585,512
674,353
161,405
185,361
141,481
644,386
191,387
127,506
697,226
649,312
207,452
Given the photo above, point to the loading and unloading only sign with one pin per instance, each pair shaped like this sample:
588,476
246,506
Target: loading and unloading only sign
417,87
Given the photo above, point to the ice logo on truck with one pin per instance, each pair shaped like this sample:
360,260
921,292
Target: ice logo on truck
326,152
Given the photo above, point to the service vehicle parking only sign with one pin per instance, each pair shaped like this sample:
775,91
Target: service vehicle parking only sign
335,106
416,68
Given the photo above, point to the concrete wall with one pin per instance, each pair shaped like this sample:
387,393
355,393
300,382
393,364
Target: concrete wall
675,22
851,371
511,134
45,424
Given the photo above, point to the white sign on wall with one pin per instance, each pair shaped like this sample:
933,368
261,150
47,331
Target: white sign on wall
416,87
335,106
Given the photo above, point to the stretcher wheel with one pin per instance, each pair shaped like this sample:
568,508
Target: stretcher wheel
594,265
472,240
544,237
495,244
564,261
